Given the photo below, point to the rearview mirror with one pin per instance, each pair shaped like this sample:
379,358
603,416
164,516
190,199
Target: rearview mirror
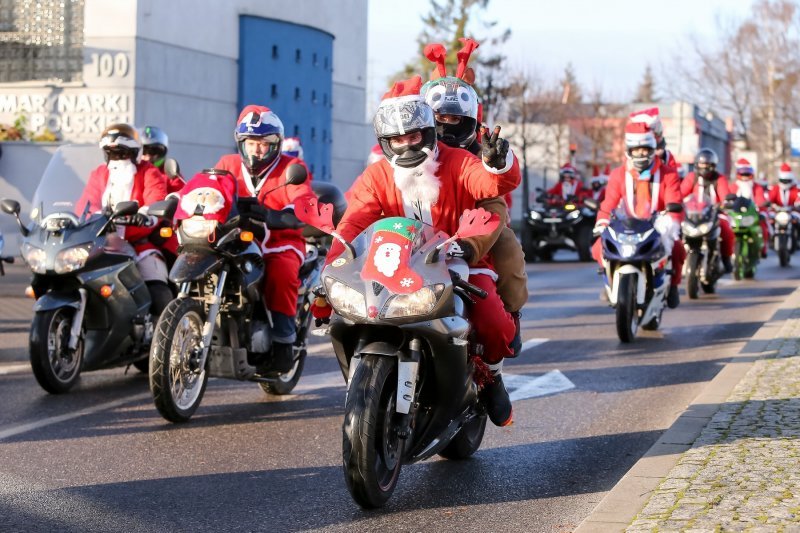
171,168
296,174
674,208
10,206
125,208
591,203
164,209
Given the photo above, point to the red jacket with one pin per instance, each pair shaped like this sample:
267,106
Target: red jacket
778,197
759,196
283,239
558,190
149,185
464,180
616,190
718,191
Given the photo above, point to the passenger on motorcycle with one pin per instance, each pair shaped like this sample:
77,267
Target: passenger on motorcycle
427,180
569,186
746,187
155,145
124,177
260,170
705,180
456,111
646,184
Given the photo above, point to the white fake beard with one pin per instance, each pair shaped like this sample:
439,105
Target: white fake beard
120,178
745,189
420,182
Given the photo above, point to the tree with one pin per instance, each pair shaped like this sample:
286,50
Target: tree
571,88
447,22
647,88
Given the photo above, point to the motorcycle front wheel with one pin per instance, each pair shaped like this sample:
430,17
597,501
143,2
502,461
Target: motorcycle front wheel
372,452
176,381
627,315
784,254
692,283
54,365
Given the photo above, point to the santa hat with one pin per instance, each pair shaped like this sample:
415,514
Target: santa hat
209,193
291,146
403,109
375,155
785,172
567,168
607,170
639,134
403,88
596,177
650,117
743,166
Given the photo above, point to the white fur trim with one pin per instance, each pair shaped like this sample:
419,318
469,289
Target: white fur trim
483,271
284,248
509,163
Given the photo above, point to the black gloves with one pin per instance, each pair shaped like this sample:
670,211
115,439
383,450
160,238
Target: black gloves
494,149
137,219
463,249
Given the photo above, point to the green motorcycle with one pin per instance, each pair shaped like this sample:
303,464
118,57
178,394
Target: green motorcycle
747,228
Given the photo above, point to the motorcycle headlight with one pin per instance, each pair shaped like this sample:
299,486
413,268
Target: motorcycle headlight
198,227
535,215
72,258
417,303
35,257
627,250
346,300
748,220
782,218
632,239
572,215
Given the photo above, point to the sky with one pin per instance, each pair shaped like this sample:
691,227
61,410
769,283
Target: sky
608,42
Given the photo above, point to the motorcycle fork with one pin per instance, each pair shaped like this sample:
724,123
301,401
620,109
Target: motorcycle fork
77,321
213,310
407,374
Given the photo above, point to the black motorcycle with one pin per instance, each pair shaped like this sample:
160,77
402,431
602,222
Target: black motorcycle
557,224
784,226
218,325
403,343
701,236
92,307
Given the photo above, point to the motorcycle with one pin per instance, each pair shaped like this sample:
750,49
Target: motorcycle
401,335
218,325
701,234
636,271
746,226
3,258
784,232
92,307
556,224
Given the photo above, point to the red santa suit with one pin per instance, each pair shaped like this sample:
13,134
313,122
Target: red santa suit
663,189
783,197
718,191
463,180
148,186
284,250
565,189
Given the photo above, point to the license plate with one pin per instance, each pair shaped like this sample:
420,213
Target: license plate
552,220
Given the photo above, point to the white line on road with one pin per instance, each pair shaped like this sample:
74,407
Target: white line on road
524,387
14,368
319,381
30,426
530,343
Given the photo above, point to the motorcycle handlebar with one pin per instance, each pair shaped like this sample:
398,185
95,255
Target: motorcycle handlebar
468,287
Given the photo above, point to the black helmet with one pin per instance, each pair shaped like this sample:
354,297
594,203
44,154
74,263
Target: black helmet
709,161
120,141
403,115
155,144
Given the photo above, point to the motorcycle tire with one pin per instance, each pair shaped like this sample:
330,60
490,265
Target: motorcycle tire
545,254
55,369
467,440
627,315
739,259
371,450
285,383
709,288
784,255
178,330
528,246
583,240
142,365
692,283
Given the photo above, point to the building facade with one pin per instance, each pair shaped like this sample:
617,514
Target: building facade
189,66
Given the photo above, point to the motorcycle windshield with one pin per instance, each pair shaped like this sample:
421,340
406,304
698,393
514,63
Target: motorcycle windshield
628,221
698,208
64,180
390,244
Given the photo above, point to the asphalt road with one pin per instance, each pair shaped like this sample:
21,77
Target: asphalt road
101,458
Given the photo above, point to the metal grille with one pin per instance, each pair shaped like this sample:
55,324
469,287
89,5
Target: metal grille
41,40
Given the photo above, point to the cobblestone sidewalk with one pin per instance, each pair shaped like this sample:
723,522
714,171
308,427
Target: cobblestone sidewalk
743,472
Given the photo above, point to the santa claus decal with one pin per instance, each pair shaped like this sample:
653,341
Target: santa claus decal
390,253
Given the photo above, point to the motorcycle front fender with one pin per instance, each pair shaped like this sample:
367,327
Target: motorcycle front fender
640,283
192,266
57,300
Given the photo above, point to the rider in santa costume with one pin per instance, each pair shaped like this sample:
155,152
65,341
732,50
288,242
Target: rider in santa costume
260,171
427,180
785,193
568,183
597,186
645,184
652,118
745,186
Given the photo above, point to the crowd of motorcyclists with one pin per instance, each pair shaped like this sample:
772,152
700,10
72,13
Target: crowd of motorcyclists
434,160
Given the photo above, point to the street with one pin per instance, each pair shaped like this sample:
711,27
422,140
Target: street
100,458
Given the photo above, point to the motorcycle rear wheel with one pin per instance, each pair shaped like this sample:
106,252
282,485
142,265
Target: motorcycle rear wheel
285,383
177,386
372,452
467,440
692,283
627,315
55,368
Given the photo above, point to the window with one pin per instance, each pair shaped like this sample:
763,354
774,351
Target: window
313,134
297,56
312,168
324,135
313,97
296,131
274,51
297,93
273,91
314,59
324,172
325,99
326,62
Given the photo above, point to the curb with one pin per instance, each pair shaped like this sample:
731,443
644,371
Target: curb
622,503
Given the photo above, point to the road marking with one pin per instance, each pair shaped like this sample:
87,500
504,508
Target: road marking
30,426
319,381
14,368
524,387
316,349
530,343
